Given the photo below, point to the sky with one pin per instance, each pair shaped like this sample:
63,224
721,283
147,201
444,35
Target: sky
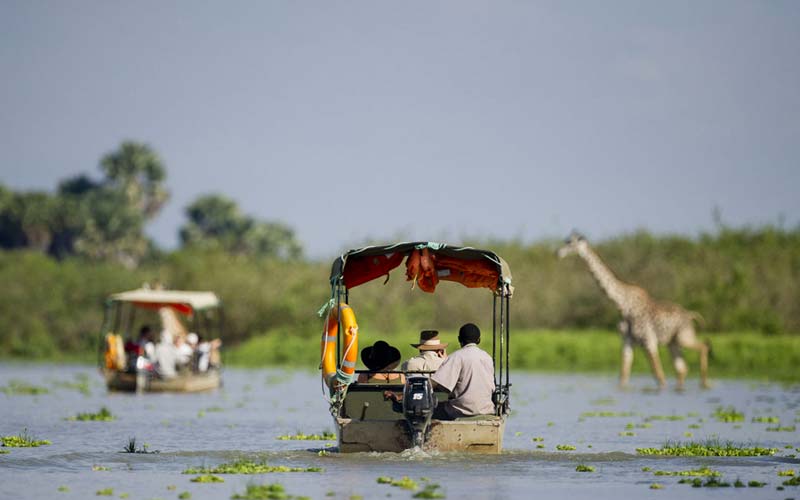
364,121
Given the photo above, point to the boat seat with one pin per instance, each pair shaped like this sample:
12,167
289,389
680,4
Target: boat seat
365,402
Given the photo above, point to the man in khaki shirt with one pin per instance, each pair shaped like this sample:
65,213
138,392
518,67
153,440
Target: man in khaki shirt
468,374
432,353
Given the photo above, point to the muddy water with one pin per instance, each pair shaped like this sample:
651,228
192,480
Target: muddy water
245,418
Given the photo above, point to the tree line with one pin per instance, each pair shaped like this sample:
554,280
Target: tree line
65,252
104,219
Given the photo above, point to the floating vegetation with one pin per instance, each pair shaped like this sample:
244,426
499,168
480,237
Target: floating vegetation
249,467
18,387
99,468
265,492
728,414
4,452
766,420
607,414
656,486
627,433
104,415
185,495
695,426
107,492
609,401
323,453
790,428
81,384
215,409
584,468
703,471
644,425
668,418
795,481
24,440
688,434
430,491
711,482
404,482
755,484
787,472
537,439
565,447
207,478
711,448
63,489
325,436
131,447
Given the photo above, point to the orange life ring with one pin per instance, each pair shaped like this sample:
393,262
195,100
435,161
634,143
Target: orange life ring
328,345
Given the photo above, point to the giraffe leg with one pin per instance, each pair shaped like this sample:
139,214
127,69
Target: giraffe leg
679,363
655,363
627,361
687,338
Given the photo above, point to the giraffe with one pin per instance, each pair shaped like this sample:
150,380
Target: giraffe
645,322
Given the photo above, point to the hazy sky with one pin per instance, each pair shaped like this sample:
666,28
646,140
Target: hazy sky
425,120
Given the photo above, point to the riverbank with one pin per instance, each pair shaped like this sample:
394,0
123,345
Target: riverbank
742,355
735,355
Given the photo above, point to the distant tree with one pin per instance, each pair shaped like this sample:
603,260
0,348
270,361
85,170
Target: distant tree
216,222
137,171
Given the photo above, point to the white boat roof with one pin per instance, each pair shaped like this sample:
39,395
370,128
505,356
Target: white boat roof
195,300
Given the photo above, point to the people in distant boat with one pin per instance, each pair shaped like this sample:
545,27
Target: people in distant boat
207,353
380,358
468,374
432,353
184,352
166,355
145,342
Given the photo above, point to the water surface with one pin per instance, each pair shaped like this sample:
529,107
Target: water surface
255,407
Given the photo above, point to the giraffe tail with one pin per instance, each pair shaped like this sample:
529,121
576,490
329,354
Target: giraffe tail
710,350
696,316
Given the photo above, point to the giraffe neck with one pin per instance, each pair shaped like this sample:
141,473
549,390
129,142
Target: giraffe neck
613,287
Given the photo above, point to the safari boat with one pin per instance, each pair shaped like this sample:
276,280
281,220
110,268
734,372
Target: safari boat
365,419
124,359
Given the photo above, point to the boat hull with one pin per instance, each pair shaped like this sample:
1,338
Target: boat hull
184,382
472,436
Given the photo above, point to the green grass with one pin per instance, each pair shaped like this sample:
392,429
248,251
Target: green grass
736,355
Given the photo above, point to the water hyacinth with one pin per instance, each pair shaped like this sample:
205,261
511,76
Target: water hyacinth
24,440
207,478
265,492
325,436
248,467
18,387
584,468
728,414
706,449
103,415
703,471
565,447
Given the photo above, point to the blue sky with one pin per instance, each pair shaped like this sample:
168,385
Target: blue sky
419,120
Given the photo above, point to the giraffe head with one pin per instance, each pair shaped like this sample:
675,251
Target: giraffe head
572,244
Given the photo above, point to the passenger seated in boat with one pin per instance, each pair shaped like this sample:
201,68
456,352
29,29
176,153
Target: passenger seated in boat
432,353
166,355
381,357
207,353
184,352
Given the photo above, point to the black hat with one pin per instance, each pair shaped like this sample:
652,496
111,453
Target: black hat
380,356
469,334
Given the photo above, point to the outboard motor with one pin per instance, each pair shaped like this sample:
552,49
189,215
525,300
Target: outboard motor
418,405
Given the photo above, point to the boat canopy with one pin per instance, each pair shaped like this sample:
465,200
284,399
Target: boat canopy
184,302
426,264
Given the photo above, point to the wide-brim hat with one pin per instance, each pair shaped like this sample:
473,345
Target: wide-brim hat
380,356
429,341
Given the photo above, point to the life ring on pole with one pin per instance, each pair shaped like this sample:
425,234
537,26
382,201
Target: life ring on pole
347,370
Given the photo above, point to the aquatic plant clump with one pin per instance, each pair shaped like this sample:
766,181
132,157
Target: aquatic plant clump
18,387
584,468
607,414
668,418
787,472
706,449
795,481
249,467
766,420
325,436
104,415
790,428
207,478
131,447
404,482
430,491
105,492
703,471
711,482
729,414
24,440
565,447
272,491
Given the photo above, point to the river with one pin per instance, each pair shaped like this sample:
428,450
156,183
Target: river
245,418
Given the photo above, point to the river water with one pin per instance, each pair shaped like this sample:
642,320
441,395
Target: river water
244,419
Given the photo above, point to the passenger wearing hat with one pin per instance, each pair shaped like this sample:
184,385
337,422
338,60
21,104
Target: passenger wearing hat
468,374
380,357
432,353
